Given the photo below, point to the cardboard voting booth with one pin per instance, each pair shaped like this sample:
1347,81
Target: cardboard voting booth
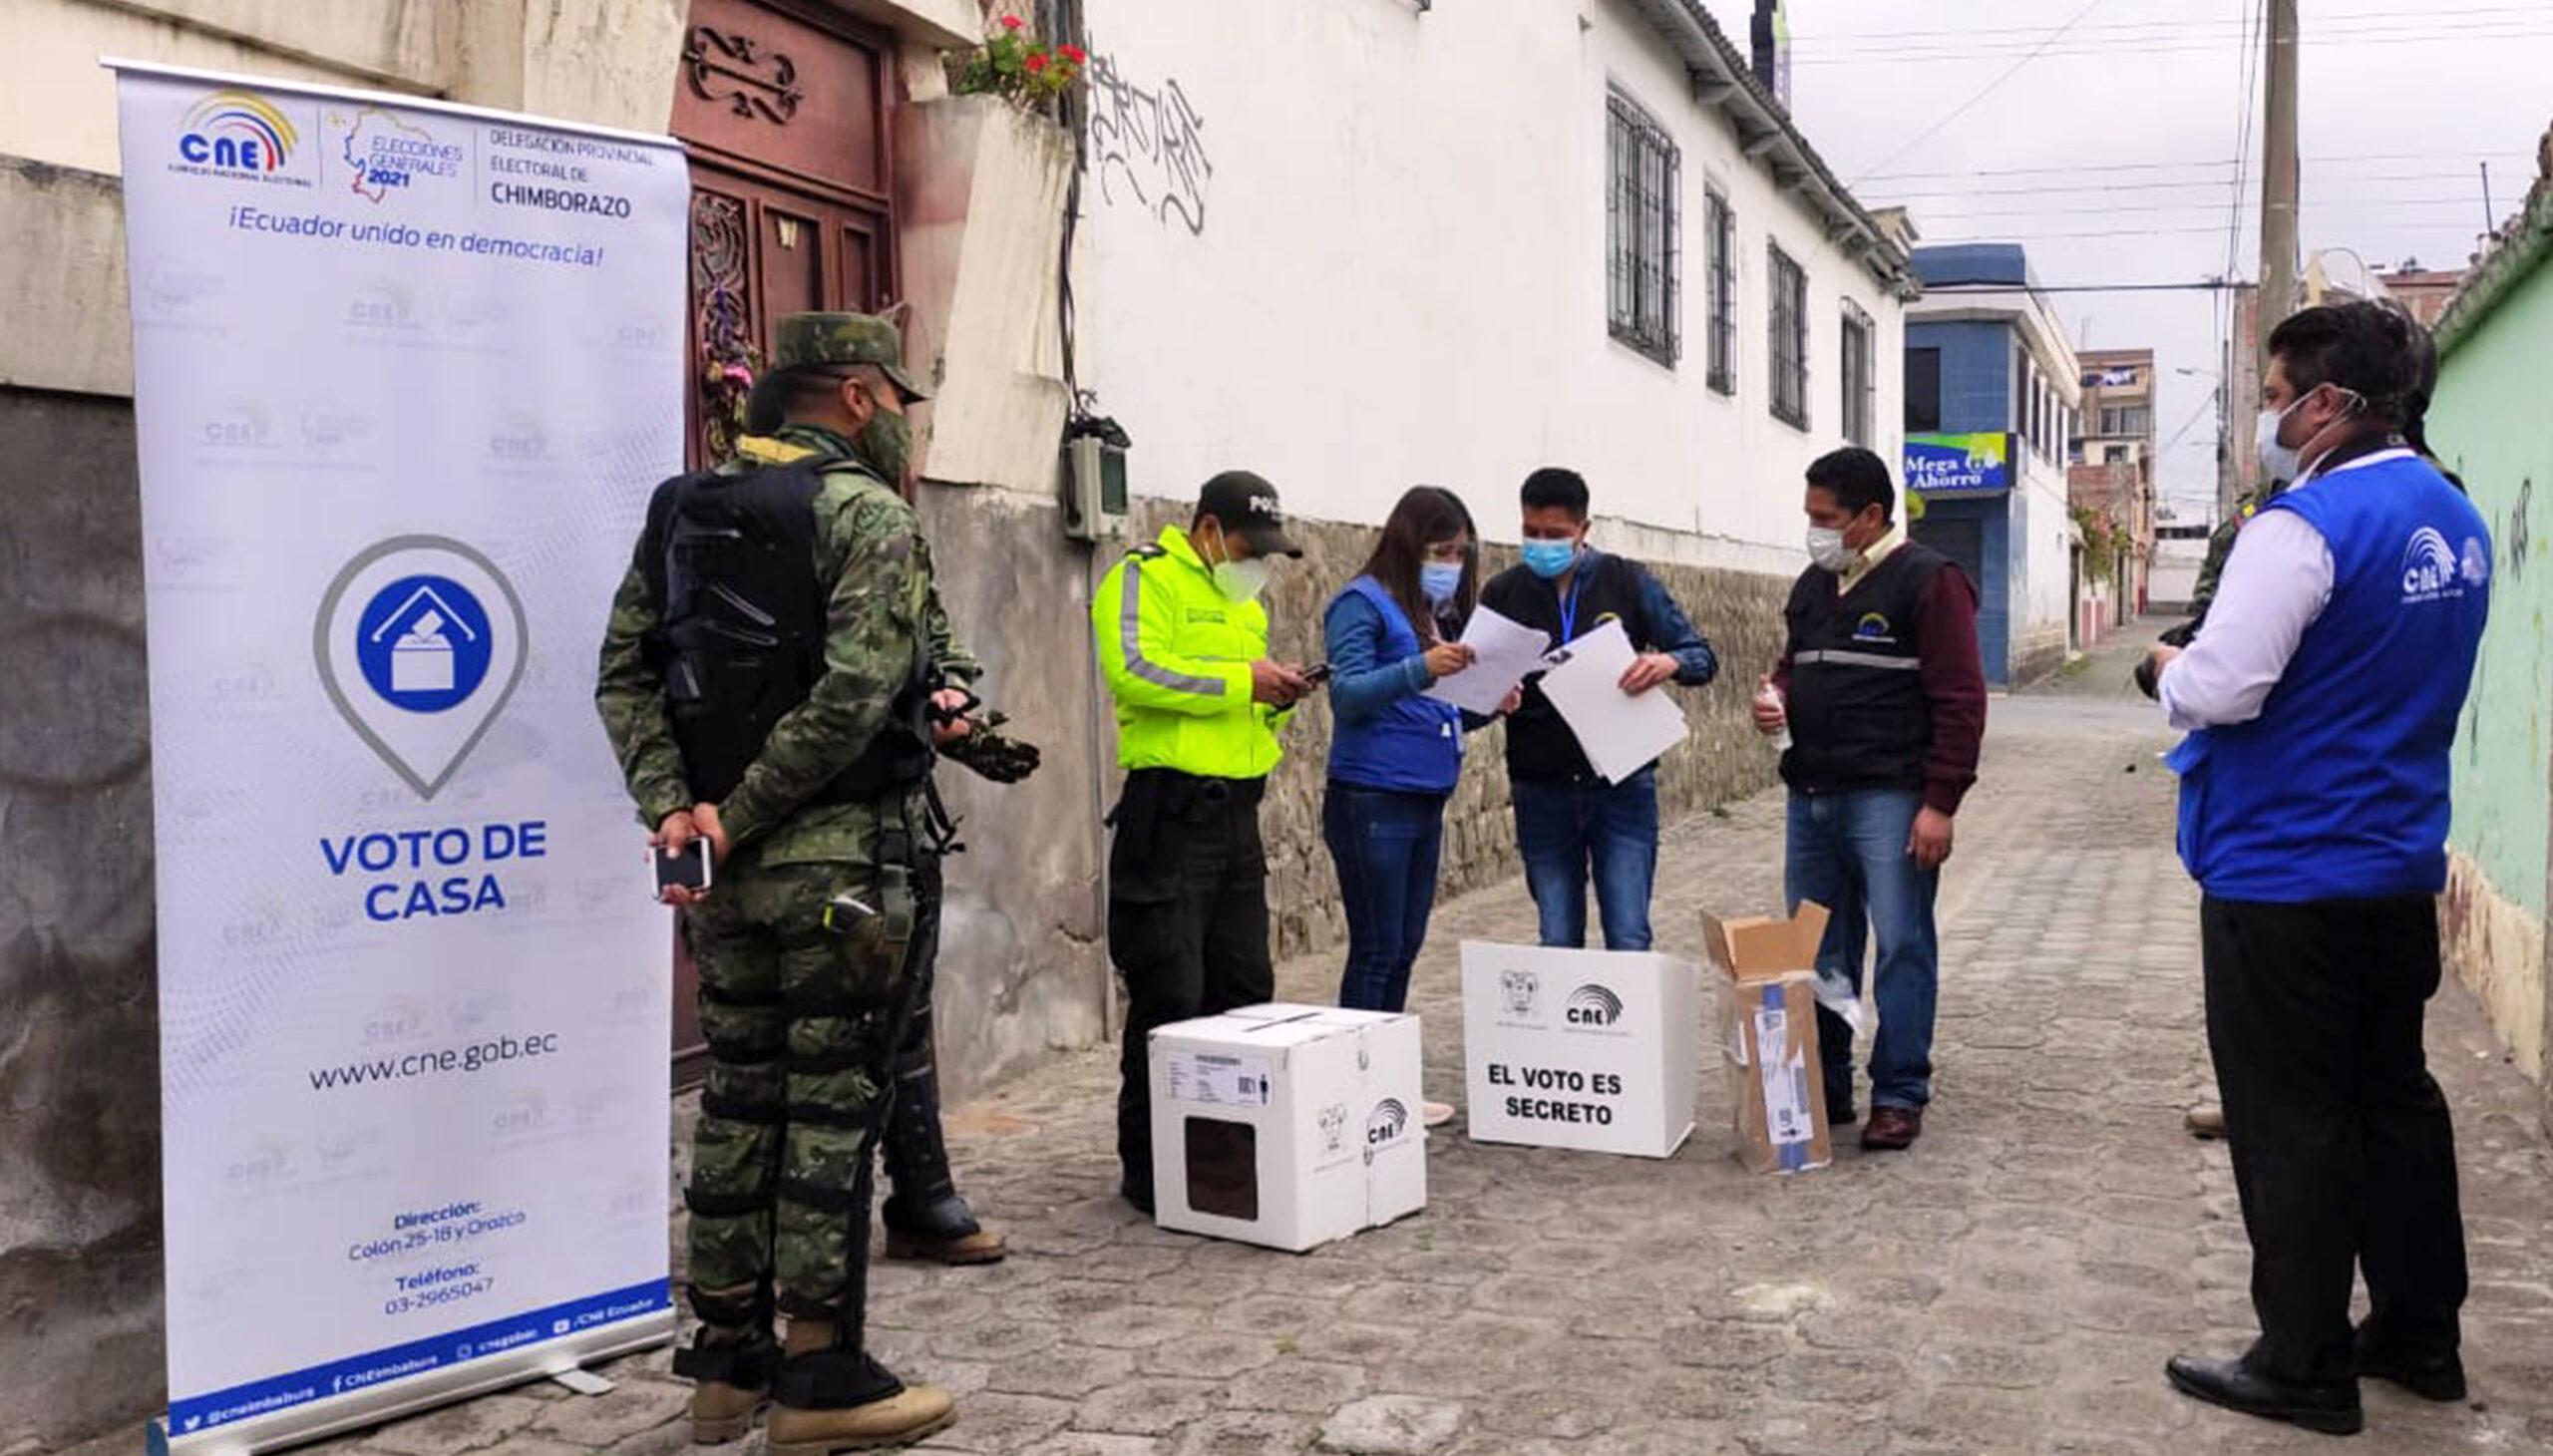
1587,1049
1775,1084
1286,1126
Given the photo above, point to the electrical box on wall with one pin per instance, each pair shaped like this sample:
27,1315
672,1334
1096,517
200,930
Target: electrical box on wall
1095,499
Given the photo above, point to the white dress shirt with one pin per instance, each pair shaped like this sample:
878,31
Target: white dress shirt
2276,581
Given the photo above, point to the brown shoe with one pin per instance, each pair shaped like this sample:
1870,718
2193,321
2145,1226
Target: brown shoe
983,1246
2206,1123
895,1420
721,1412
1891,1129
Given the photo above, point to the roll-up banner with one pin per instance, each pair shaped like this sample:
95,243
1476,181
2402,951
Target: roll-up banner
404,374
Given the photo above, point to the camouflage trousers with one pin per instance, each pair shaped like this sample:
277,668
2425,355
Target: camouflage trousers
802,1019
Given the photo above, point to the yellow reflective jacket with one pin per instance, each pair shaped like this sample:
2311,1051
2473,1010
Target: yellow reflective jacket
1176,653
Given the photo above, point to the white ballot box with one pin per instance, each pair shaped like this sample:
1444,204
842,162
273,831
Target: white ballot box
1286,1126
1587,1049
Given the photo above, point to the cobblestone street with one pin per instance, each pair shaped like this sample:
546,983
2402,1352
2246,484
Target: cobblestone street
2011,1285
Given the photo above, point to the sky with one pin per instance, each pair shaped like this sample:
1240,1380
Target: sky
2397,108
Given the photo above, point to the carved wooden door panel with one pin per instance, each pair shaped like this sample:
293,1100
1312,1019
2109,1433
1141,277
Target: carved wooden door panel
782,108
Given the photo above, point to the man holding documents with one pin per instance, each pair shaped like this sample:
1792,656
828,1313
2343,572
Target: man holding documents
1570,819
1883,694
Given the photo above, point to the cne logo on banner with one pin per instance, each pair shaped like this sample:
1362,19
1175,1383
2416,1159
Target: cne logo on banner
238,134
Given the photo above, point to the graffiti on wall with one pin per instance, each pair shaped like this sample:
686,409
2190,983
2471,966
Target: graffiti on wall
1149,146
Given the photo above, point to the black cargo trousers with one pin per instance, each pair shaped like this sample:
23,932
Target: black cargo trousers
1186,925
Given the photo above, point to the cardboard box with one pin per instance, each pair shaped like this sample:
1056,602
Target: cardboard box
1286,1126
1584,1049
1777,1085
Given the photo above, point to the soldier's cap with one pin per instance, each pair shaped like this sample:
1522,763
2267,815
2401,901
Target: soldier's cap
802,341
1246,504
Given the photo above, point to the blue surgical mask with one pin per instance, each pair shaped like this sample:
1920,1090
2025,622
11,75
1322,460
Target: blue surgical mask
1549,559
1440,580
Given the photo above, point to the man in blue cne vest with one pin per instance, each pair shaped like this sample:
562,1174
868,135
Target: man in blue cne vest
2321,698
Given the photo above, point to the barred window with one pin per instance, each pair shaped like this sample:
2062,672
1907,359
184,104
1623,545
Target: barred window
1722,265
1643,229
1859,384
1788,287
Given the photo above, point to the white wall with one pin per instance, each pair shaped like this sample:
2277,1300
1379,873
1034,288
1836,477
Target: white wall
1400,276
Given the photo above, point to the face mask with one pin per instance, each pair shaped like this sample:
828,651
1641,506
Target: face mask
1549,559
888,443
1440,580
2278,462
1826,548
1241,580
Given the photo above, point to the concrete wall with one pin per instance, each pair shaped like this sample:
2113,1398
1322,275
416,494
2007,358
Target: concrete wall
2173,577
1359,246
2487,424
79,1072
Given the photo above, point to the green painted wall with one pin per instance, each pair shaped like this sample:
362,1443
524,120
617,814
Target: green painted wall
2491,425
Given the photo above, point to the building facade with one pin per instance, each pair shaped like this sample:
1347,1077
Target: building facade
1993,384
1498,234
2112,482
2495,344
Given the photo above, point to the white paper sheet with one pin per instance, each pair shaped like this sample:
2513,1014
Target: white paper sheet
1506,650
1619,734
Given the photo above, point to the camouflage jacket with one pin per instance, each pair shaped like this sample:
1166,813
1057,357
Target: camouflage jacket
870,546
2220,545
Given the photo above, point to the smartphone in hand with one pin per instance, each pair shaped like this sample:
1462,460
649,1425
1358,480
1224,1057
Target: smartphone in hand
689,869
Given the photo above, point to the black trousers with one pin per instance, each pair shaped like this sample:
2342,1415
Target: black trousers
2342,1149
1187,924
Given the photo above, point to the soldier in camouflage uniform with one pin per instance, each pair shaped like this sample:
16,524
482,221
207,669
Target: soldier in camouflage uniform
767,681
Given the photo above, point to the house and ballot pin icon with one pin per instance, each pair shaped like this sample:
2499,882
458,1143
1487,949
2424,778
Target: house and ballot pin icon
420,641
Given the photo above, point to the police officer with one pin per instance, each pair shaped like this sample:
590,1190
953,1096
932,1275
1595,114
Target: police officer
1183,643
767,681
2322,699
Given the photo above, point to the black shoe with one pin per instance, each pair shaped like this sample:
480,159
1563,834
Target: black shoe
2331,1409
2438,1377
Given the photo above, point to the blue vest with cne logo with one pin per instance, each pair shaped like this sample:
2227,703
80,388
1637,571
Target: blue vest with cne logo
1416,745
2338,789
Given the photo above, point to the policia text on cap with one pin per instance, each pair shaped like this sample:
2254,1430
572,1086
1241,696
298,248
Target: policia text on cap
1183,643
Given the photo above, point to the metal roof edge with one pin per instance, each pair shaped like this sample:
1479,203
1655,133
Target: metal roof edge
1703,43
2505,267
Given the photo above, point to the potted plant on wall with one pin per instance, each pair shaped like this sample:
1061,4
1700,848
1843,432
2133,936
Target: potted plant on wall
1018,66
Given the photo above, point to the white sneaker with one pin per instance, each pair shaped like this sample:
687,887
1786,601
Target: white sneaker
1435,1114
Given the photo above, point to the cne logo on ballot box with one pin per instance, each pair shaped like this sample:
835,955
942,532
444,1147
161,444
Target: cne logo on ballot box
1609,1068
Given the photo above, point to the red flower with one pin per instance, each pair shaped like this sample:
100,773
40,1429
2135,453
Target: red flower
1075,54
1012,22
1036,62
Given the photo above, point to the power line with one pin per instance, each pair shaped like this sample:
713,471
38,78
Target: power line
2199,185
1997,285
2351,205
2188,33
2015,32
1969,105
2212,162
2116,53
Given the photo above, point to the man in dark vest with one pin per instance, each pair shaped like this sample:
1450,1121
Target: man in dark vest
2322,699
1883,694
767,681
1569,820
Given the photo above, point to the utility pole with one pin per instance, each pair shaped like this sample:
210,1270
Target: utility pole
2278,175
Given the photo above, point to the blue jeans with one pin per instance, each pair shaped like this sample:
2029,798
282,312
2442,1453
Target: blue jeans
1385,844
1565,830
1848,853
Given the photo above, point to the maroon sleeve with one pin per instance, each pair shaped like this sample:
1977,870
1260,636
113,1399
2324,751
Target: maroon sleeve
1954,684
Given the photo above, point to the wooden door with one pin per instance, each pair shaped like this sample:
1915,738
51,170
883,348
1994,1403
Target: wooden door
781,106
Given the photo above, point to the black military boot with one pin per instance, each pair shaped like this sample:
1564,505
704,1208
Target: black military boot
924,1217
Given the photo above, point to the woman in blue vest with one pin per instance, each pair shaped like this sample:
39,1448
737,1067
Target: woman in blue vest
1395,753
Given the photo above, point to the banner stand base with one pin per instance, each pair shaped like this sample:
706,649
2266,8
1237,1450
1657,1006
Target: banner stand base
562,1360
